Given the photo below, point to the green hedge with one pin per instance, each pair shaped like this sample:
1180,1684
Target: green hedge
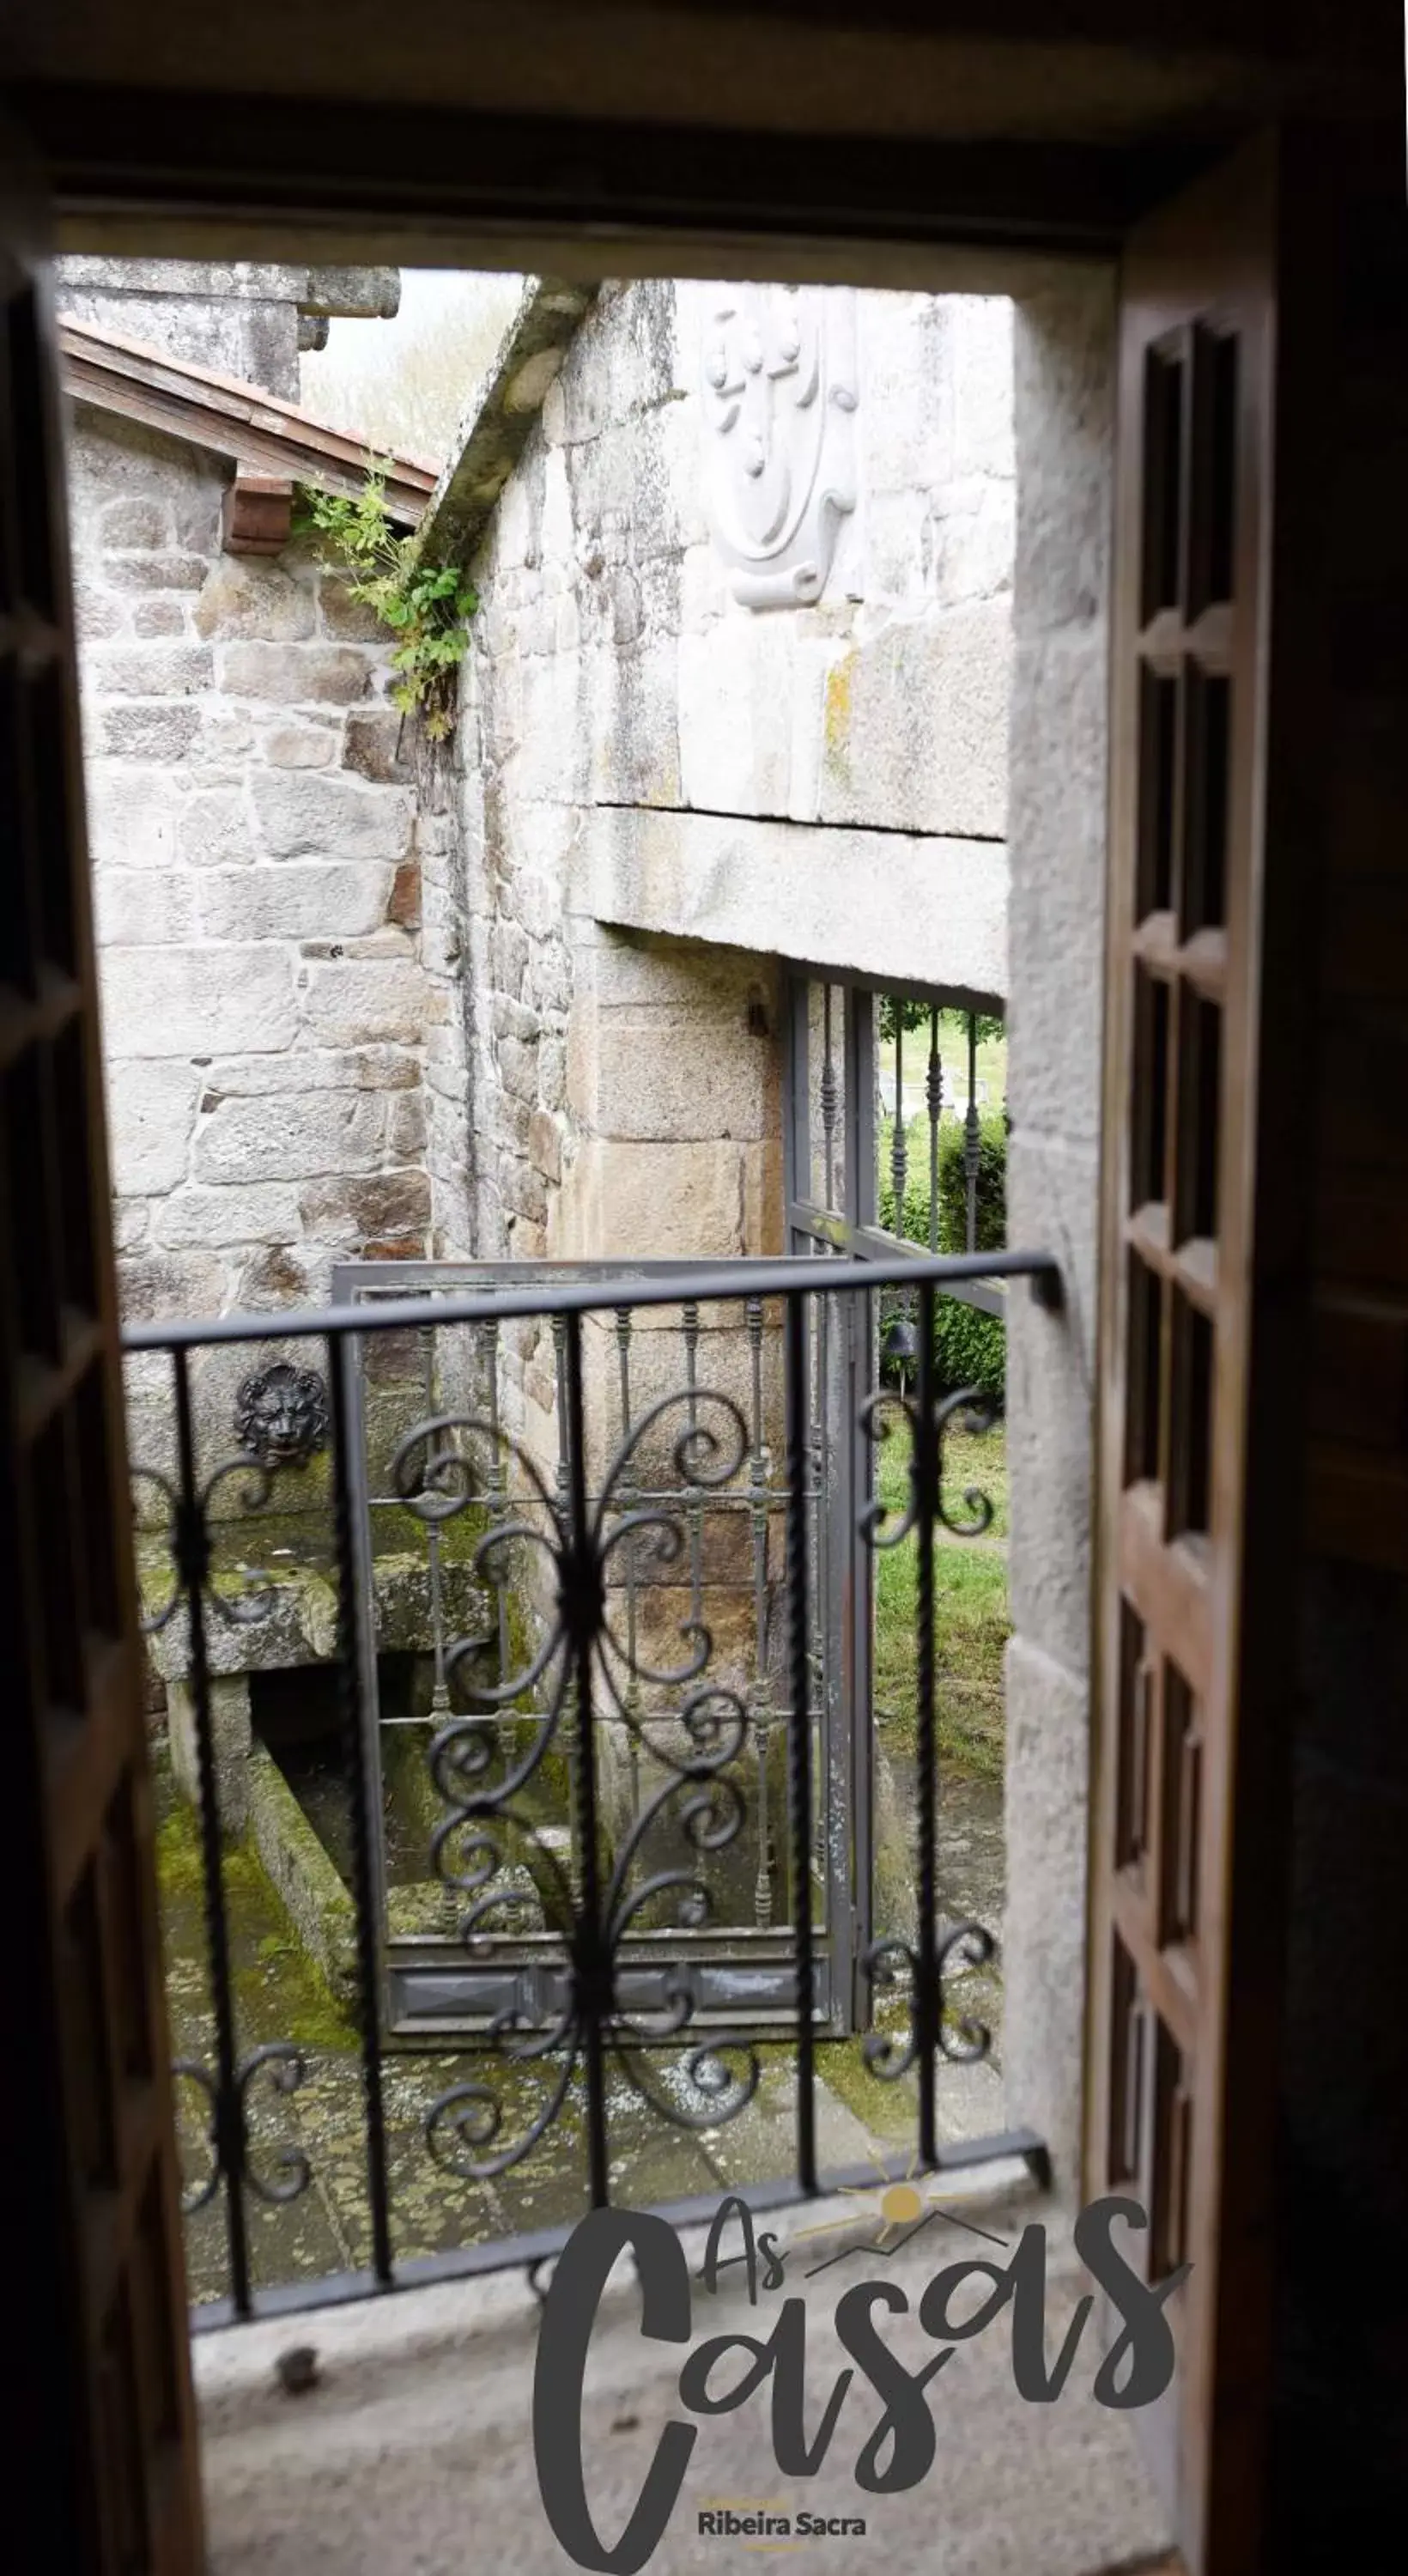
970,1347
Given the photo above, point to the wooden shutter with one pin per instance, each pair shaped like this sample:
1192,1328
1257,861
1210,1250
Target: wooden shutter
98,2401
1211,964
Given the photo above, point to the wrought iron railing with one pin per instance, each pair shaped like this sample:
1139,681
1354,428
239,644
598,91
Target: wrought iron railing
584,2024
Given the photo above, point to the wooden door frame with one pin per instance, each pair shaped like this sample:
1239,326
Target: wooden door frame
1278,670
96,2269
167,177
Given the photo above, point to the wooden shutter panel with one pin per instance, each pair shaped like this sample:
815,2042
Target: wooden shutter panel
99,2407
1214,852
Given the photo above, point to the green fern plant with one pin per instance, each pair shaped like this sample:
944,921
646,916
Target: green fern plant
426,606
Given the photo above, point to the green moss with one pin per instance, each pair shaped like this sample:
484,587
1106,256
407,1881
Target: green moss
178,1849
887,2110
279,1991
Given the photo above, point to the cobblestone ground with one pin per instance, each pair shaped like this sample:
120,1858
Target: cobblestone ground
281,1995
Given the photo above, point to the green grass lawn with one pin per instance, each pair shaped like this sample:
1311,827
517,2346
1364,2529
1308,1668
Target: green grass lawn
971,1623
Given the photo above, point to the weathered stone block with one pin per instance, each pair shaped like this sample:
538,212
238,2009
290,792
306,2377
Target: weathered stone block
405,1126
1043,1942
135,521
698,1078
694,1201
325,1131
311,816
293,902
154,571
96,614
552,1072
333,674
131,1225
231,1736
916,725
375,745
1058,858
353,621
151,1118
149,732
1063,400
295,746
149,670
132,817
351,1001
159,1287
141,907
926,909
274,1277
228,735
403,904
298,1866
193,1001
545,1145
518,1069
736,685
261,1077
215,828
356,1213
524,1192
243,597
262,1212
159,617
1053,1201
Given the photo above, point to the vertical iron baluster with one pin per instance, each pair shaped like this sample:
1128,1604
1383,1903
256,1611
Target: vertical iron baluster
627,1494
559,1363
829,1100
924,1468
582,1618
819,1437
192,1551
690,1320
934,1097
800,1747
564,1515
496,1481
899,1150
349,1694
440,1694
758,1500
971,1141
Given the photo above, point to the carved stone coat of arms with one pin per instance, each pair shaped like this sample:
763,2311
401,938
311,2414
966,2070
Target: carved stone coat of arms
779,395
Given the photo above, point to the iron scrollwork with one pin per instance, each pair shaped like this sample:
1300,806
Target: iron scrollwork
439,1469
893,1966
188,1543
228,2135
923,1970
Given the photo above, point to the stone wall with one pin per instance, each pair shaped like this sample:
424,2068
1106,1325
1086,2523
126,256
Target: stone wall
1064,378
243,318
253,826
256,883
645,753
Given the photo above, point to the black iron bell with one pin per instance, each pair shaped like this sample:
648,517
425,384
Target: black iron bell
900,1342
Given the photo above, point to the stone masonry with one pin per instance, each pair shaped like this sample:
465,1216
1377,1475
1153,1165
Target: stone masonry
525,1002
643,755
253,822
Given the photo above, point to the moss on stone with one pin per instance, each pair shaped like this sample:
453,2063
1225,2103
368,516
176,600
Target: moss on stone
279,1990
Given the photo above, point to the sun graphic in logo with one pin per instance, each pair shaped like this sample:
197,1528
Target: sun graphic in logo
902,2211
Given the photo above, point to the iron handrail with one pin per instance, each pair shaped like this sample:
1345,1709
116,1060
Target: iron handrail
718,1280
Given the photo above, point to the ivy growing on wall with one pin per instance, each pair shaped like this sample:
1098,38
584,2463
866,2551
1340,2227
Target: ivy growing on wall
426,606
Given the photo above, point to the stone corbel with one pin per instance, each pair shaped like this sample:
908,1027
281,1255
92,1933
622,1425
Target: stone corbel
256,516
